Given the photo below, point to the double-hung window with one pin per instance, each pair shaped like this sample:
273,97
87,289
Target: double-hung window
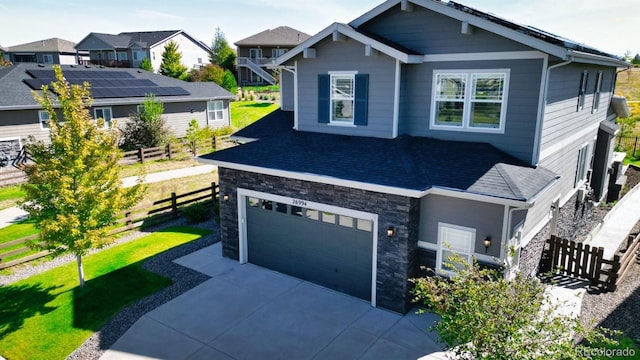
596,93
470,100
47,59
43,115
105,114
342,97
215,110
277,52
455,243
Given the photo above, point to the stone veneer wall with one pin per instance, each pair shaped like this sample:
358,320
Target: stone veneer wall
397,256
9,148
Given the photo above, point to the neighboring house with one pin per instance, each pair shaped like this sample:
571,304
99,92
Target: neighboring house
128,49
49,51
420,130
116,93
259,51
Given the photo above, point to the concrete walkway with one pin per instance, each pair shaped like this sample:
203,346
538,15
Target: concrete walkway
618,223
15,214
248,312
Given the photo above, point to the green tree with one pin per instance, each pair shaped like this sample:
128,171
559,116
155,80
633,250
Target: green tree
229,82
171,64
636,60
147,127
484,316
73,188
145,64
4,62
209,72
221,53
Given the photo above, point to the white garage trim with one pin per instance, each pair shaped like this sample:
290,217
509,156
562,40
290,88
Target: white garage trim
242,224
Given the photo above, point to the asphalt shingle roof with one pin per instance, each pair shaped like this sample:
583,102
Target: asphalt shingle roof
14,93
149,37
47,45
414,163
115,41
282,35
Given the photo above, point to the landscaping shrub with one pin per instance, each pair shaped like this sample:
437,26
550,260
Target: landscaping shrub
196,212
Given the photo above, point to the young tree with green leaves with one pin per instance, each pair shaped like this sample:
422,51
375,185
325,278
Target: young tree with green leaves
73,189
484,316
221,53
145,64
171,64
147,127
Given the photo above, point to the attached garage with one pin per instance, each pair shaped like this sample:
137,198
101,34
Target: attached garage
327,245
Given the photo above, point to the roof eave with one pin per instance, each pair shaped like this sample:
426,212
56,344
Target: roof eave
351,33
587,58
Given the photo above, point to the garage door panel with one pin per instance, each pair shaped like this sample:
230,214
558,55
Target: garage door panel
331,255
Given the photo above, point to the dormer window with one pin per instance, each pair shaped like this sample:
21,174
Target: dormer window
469,100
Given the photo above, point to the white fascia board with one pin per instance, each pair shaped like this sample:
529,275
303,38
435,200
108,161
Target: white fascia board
368,186
350,33
373,13
587,58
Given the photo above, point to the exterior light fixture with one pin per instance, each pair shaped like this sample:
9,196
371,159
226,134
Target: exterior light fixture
487,243
391,231
225,197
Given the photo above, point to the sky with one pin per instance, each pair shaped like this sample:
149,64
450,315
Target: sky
607,25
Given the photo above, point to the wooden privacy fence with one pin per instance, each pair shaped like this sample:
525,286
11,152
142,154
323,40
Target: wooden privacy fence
177,150
133,218
562,256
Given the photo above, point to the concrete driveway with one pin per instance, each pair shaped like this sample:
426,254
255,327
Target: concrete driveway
248,312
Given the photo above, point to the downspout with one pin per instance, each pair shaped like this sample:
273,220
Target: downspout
396,100
542,108
295,92
506,234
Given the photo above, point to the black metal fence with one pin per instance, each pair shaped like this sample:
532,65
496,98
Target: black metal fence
629,144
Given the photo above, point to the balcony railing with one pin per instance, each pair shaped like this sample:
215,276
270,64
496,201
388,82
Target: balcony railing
111,63
258,61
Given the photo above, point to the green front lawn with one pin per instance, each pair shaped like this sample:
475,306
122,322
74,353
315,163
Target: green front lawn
9,196
19,230
245,113
47,316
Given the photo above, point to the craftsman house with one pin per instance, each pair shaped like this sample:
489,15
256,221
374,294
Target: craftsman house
48,51
128,49
419,130
116,93
258,52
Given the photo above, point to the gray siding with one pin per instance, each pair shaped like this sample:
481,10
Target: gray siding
428,32
522,104
438,208
287,101
561,118
347,56
22,123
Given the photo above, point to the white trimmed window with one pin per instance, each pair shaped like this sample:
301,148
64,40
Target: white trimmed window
469,100
104,113
581,166
47,59
596,93
582,92
215,110
454,240
43,115
342,98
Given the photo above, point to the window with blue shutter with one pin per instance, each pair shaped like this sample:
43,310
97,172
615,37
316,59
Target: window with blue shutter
343,98
323,98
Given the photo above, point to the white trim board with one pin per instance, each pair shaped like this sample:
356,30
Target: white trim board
480,56
243,253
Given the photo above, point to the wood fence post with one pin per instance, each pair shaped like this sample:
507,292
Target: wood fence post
214,143
174,205
213,192
141,155
169,150
128,217
613,279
